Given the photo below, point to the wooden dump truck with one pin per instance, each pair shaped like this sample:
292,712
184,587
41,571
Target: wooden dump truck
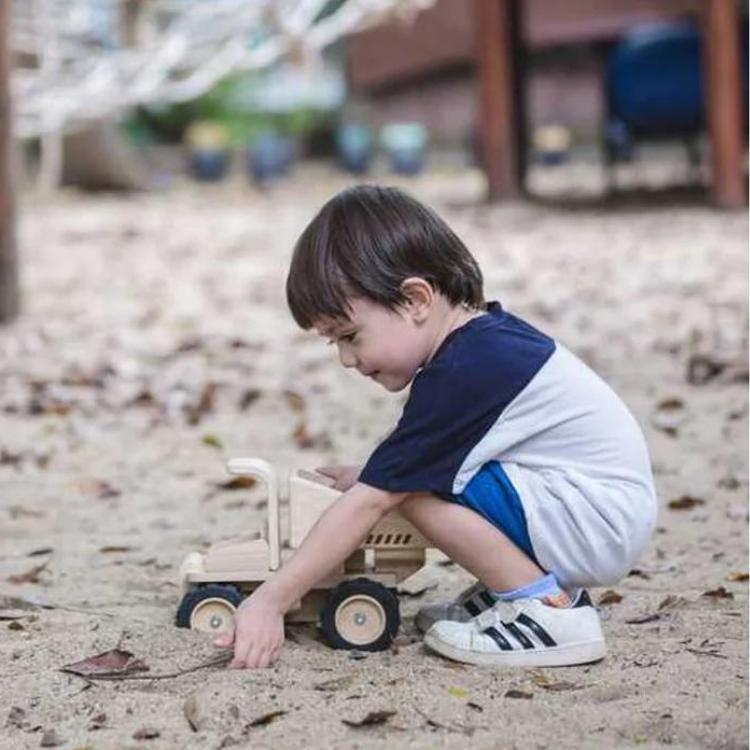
356,605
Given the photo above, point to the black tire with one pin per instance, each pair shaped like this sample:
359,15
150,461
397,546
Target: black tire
230,594
378,601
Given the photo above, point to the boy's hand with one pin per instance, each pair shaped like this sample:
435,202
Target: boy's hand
258,634
345,477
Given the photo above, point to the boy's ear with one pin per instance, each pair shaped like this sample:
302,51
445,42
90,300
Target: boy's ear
420,297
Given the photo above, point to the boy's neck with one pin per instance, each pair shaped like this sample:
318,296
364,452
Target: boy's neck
453,317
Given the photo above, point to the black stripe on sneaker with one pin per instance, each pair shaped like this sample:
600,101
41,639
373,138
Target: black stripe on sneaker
536,629
515,631
500,639
488,599
472,608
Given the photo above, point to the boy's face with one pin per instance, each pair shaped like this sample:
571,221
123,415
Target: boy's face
386,345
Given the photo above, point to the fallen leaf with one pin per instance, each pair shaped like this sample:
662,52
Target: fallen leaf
190,710
672,601
204,406
40,551
703,368
718,593
302,436
474,706
30,576
372,719
115,548
113,662
295,401
261,721
610,597
669,415
212,440
146,733
237,483
98,721
10,459
686,502
13,614
248,398
458,692
737,577
518,694
15,625
643,619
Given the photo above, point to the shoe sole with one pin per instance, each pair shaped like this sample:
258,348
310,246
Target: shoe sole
553,656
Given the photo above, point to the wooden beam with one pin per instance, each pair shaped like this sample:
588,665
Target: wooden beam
723,101
500,116
9,294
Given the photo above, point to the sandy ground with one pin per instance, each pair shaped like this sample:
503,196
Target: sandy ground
155,343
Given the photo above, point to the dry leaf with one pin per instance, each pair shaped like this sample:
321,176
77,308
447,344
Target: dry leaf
115,548
374,718
204,406
113,662
212,440
261,721
669,415
737,577
248,398
672,601
237,483
458,692
512,693
686,502
30,576
718,593
610,597
643,619
295,401
146,733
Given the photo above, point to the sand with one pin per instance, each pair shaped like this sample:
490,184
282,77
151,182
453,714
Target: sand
155,344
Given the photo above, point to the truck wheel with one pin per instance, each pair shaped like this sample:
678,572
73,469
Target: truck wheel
209,609
360,614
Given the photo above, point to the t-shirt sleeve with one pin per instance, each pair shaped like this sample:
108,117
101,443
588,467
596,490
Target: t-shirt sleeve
452,405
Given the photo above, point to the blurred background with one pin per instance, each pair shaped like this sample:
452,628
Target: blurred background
159,159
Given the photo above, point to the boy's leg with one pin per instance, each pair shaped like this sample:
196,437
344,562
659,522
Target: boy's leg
471,541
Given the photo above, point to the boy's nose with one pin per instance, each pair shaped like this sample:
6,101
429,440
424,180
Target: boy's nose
347,357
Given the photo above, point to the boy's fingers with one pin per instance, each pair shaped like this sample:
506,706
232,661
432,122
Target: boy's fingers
224,640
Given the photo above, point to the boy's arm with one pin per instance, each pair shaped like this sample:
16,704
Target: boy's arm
259,627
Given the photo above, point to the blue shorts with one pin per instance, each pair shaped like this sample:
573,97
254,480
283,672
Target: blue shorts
491,494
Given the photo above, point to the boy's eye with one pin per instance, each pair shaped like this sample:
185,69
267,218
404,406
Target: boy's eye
348,337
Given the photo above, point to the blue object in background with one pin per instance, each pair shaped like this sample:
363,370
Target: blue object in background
208,165
270,156
655,81
354,147
406,146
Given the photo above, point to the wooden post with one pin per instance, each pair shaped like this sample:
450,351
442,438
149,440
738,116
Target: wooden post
9,295
500,100
723,97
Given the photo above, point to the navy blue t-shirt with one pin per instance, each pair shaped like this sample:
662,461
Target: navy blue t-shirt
479,369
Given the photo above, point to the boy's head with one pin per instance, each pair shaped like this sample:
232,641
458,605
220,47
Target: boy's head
378,262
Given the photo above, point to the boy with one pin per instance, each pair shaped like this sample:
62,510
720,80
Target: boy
511,456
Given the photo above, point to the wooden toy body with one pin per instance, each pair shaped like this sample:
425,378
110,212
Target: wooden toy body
393,550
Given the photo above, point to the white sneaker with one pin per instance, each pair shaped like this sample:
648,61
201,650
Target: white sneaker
523,633
469,603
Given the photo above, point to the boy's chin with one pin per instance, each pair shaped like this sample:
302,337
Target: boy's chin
392,384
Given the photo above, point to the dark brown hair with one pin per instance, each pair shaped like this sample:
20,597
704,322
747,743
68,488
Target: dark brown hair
365,242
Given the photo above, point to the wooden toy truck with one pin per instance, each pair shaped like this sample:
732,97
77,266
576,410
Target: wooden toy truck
356,606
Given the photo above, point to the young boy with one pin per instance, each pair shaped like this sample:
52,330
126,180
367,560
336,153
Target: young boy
511,456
